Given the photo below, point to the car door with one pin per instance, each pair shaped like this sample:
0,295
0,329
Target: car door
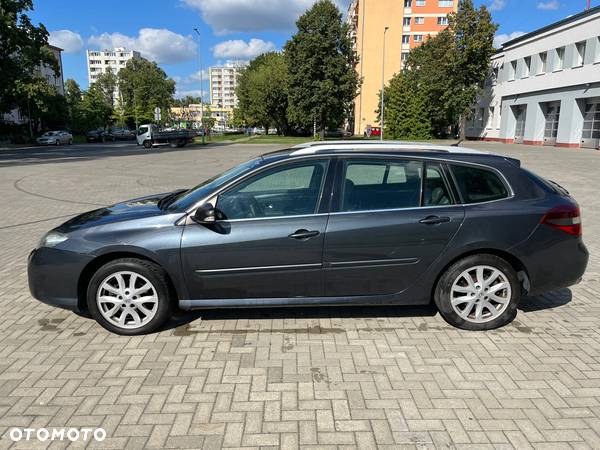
392,218
268,240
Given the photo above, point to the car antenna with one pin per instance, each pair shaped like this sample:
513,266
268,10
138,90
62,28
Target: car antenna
457,143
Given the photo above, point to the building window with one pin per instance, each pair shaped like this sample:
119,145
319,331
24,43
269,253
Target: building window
543,63
442,20
513,70
559,63
404,56
494,75
418,38
490,121
579,54
526,66
419,20
597,57
405,39
407,3
420,3
406,22
445,3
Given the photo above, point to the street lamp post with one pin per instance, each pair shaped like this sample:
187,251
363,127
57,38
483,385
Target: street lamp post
382,85
201,85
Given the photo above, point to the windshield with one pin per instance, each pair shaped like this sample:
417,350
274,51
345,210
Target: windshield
49,133
187,199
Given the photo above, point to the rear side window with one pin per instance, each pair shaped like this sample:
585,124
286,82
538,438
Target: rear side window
381,184
478,185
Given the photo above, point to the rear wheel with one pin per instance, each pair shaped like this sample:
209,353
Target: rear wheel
130,296
479,292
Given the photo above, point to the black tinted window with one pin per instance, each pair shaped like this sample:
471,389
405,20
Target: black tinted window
436,190
478,185
381,184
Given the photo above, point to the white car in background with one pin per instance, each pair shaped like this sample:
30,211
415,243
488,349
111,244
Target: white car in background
55,138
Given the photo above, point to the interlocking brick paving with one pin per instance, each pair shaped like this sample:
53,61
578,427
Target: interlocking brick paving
385,377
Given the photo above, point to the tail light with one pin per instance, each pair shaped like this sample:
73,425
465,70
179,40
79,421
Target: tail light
565,218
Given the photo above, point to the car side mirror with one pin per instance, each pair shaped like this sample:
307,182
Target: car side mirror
205,214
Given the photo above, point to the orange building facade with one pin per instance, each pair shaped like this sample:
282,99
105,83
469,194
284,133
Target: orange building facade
409,23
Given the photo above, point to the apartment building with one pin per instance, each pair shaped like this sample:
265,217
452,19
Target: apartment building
223,81
16,116
409,22
544,87
101,61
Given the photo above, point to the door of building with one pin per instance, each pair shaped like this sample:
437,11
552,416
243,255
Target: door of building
520,112
552,115
590,136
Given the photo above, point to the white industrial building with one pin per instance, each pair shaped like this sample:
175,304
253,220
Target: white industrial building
544,87
101,61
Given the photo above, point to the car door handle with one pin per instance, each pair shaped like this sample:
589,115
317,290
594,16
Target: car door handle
434,220
303,234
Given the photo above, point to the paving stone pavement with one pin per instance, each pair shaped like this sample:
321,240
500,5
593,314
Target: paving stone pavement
387,377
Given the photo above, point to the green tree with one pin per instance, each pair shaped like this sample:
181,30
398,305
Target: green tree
24,48
406,114
143,86
96,107
322,79
262,91
41,103
208,121
74,98
452,66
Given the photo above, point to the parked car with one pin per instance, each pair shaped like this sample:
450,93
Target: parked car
340,133
323,224
99,135
55,138
122,134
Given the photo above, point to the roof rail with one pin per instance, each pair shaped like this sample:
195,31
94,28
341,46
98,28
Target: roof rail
358,145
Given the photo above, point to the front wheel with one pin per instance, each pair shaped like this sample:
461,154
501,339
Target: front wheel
147,144
130,296
479,292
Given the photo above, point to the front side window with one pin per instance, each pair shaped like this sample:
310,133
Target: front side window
478,185
381,184
291,190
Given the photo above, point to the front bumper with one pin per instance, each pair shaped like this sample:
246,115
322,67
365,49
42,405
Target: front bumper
53,275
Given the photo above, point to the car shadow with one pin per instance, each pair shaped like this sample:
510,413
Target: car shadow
554,299
182,318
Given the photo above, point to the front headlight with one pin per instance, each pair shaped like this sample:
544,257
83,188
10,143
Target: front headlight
52,239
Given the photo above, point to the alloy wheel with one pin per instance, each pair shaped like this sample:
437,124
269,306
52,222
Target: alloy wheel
127,299
480,294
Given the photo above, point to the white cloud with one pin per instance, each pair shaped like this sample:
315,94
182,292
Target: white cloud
192,78
500,39
190,92
238,49
548,5
157,44
68,40
497,5
231,16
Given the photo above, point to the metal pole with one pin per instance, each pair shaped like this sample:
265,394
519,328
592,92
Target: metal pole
383,85
361,11
201,86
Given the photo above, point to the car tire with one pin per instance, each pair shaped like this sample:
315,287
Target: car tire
147,144
70,141
489,300
57,142
115,304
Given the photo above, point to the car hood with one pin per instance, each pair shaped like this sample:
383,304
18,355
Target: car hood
137,208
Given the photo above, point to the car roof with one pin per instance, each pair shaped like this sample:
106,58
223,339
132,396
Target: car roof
366,145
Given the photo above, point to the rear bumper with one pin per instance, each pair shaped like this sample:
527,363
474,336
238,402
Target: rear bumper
553,260
53,275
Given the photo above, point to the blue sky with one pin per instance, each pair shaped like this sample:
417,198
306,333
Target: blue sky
230,29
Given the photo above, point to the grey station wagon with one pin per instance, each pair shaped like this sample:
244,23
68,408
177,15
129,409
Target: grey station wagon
340,223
